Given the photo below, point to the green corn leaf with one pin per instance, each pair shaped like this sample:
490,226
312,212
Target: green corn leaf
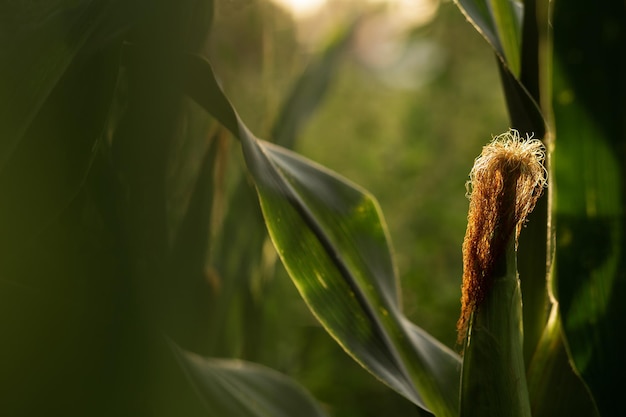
553,387
494,375
500,23
524,112
244,229
331,237
590,178
244,389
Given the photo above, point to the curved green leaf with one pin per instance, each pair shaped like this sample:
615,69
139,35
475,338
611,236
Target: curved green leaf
330,235
553,386
500,23
330,238
524,112
244,389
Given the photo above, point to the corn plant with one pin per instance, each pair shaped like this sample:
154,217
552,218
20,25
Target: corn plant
107,305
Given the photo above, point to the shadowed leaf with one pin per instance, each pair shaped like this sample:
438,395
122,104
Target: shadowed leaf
590,175
554,388
244,389
47,169
38,42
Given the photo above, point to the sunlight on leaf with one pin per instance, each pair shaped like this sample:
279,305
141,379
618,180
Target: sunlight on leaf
331,237
500,23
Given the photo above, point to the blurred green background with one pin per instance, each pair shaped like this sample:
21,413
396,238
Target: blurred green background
415,97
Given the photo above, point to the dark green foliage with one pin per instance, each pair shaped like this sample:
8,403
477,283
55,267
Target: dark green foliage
133,238
589,102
